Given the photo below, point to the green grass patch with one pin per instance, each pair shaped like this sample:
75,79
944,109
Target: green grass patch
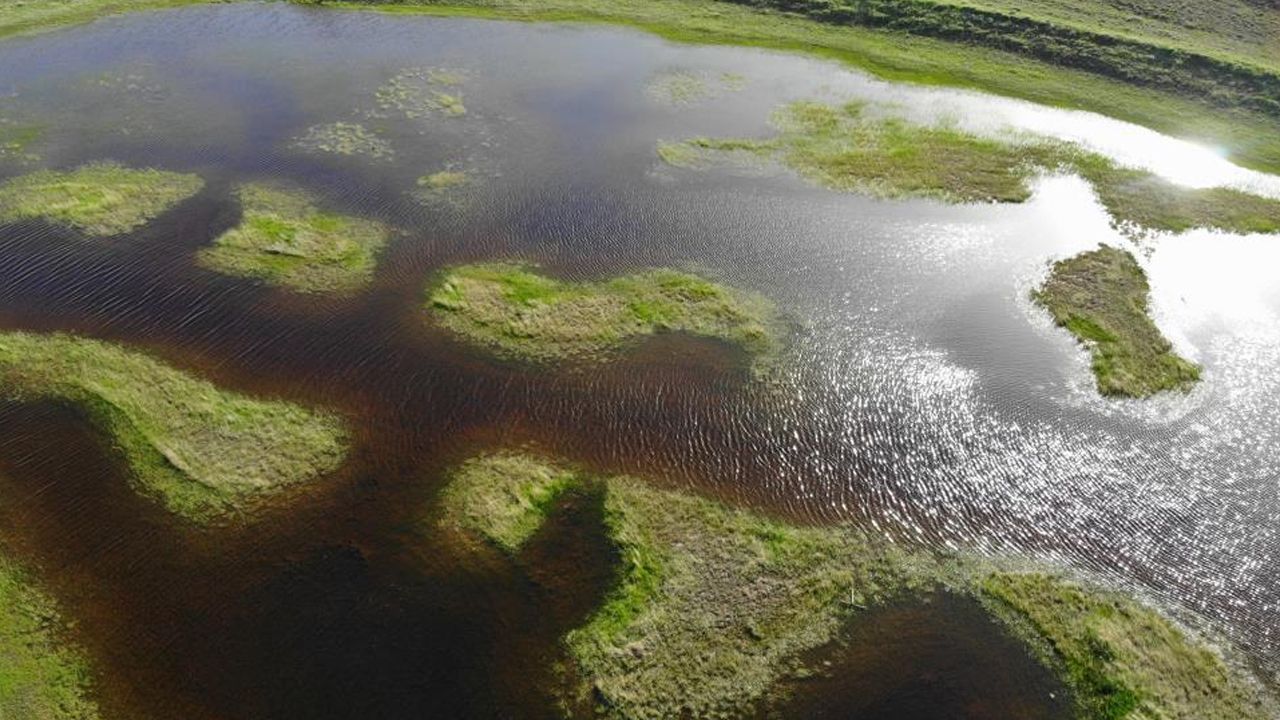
504,498
1121,659
100,199
1101,297
521,314
41,676
286,240
849,149
711,606
27,16
344,138
202,451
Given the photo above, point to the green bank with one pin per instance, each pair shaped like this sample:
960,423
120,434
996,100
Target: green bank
203,451
711,606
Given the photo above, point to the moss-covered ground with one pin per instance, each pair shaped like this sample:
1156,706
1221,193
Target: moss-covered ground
99,199
521,314
1101,297
849,148
202,451
42,677
711,605
285,239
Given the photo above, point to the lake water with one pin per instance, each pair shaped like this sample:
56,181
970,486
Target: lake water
924,396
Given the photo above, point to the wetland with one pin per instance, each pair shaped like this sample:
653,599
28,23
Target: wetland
361,364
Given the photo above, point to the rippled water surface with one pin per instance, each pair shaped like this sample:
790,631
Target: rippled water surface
924,396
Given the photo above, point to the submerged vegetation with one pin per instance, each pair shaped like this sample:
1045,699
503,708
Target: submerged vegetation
420,93
441,185
201,450
683,87
41,677
1101,297
344,138
712,606
284,239
99,199
524,315
16,140
849,148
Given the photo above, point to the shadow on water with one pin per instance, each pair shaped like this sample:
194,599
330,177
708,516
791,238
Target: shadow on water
924,660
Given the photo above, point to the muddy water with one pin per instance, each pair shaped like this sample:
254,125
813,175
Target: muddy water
924,397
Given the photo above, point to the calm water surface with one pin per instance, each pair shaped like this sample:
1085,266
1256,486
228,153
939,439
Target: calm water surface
924,396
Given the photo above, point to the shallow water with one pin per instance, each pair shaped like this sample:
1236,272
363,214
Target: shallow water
925,398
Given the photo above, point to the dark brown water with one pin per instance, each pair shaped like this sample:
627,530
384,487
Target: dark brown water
924,398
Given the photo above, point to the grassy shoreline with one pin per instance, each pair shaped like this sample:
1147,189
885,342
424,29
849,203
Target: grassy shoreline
712,606
1252,138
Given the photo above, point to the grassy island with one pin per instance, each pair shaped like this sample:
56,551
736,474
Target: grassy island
285,239
1101,298
848,148
711,606
201,450
41,677
523,315
99,199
